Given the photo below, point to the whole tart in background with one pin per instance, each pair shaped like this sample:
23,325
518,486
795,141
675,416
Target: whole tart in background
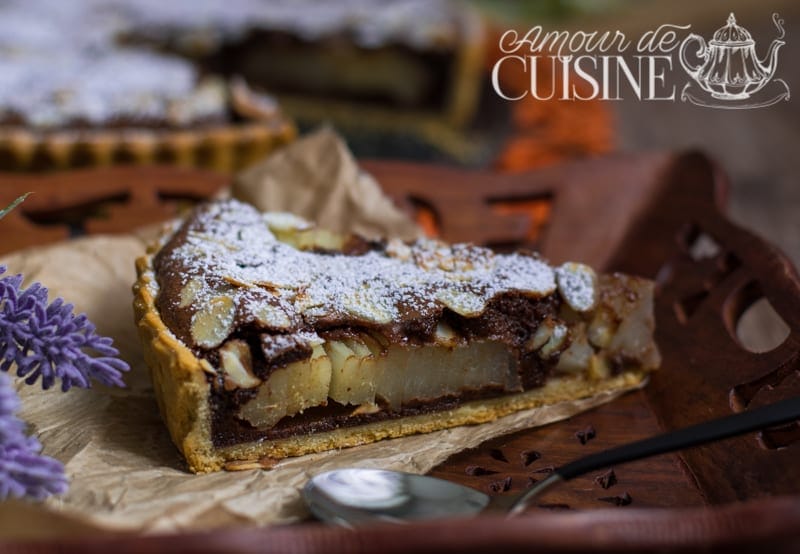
74,92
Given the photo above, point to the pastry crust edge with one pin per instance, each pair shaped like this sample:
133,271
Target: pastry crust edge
220,148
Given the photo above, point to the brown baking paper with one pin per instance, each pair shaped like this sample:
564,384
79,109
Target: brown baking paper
124,472
318,178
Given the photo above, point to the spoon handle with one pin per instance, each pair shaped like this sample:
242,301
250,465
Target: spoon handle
751,420
716,429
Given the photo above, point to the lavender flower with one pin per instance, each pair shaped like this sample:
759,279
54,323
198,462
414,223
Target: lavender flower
23,471
50,341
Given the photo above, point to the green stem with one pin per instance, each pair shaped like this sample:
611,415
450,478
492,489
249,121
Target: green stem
13,205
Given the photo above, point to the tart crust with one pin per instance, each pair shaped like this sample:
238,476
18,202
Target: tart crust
221,147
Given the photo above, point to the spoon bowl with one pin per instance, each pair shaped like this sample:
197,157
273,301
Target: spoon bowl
355,496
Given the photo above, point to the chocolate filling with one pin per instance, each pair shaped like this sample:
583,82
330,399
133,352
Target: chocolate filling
228,430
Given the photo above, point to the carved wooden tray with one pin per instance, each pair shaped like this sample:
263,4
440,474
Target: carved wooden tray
657,215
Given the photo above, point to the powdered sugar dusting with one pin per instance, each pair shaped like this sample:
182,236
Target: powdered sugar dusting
577,284
64,62
231,250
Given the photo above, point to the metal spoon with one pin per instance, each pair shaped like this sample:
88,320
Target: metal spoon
356,496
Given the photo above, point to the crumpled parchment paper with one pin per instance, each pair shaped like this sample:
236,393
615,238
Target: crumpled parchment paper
318,178
124,472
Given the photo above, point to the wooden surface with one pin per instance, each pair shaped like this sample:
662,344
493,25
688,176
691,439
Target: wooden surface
643,215
659,482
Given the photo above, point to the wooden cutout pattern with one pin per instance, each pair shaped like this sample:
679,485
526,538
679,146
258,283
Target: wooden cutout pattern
106,200
706,371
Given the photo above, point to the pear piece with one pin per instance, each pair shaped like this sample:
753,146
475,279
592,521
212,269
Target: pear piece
290,390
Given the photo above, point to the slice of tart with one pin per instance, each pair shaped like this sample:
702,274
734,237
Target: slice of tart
268,337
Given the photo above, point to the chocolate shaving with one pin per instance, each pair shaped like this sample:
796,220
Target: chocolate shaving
529,456
545,469
531,482
620,500
606,480
498,455
585,435
502,485
478,470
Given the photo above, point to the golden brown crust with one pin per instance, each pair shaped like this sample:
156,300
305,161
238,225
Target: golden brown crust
183,398
222,148
178,377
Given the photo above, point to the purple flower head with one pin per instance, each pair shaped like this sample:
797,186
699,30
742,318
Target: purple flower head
48,340
23,471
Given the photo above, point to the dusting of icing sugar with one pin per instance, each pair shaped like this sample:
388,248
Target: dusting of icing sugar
230,242
577,284
91,61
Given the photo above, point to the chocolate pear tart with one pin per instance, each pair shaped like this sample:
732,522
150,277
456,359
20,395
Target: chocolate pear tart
268,337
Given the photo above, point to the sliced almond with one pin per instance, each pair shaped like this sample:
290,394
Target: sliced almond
556,343
212,324
237,282
189,292
242,465
541,336
207,239
463,303
577,284
267,462
425,254
468,257
369,306
272,316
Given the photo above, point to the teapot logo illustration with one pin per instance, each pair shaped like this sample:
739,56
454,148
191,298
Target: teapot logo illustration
729,73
